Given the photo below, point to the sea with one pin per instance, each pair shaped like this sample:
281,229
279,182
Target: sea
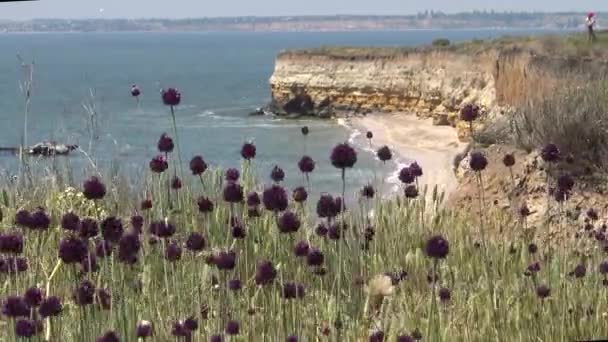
83,79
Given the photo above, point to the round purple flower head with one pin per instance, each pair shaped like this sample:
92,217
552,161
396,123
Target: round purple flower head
306,164
171,97
315,257
404,338
109,336
112,229
565,182
15,306
238,231
293,290
277,174
508,160
159,164
137,222
369,135
173,252
50,306
477,161
135,92
321,230
415,169
225,260
162,229
196,242
144,329
70,221
232,328
146,204
94,189
72,250
411,191
253,199
550,153
232,175
128,248
603,268
377,336
11,243
384,154
579,271
301,248
198,165
543,291
275,198
215,338
165,143
191,324
300,195
33,296
326,206
40,220
437,247
176,183
84,293
23,218
179,330
234,284
288,222
406,176
204,205
291,338
233,193
88,228
368,191
265,273
469,113
103,248
444,295
305,131
248,151
25,328
343,156
334,232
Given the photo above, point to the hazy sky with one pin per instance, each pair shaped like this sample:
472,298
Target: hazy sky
214,8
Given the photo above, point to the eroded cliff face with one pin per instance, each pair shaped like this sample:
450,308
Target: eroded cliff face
433,83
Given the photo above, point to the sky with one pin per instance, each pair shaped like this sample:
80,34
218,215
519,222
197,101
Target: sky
229,8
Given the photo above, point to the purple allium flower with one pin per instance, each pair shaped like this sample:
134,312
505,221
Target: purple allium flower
195,242
533,268
291,338
94,189
128,248
176,183
191,324
415,169
109,336
315,257
11,243
444,295
248,151
234,284
15,306
23,218
406,176
159,164
111,229
165,143
72,250
579,271
171,96
301,248
377,336
103,298
103,248
326,206
253,199
277,174
288,222
411,191
508,160
321,230
173,251
215,338
333,232
146,204
13,265
135,92
162,229
384,154
204,205
265,272
550,153
238,231
306,164
232,328
40,220
275,198
50,306
369,135
469,113
543,291
343,156
198,165
477,161
253,212
89,264
532,248
368,191
137,222
416,335
404,338
33,296
232,175
84,293
179,330
70,221
290,291
603,268
565,182
233,193
144,329
437,247
88,228
225,260
305,131
25,328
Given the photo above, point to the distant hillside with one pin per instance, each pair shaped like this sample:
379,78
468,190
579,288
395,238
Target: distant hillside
426,20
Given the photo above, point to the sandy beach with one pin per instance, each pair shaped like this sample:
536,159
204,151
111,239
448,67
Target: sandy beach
411,138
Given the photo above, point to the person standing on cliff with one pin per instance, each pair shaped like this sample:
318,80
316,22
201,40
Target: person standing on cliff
590,22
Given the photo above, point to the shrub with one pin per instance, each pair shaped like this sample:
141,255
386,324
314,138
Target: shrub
441,42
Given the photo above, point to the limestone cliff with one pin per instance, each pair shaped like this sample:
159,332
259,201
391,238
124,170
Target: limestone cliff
426,81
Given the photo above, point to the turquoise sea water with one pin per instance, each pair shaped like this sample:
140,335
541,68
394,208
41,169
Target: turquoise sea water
222,77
